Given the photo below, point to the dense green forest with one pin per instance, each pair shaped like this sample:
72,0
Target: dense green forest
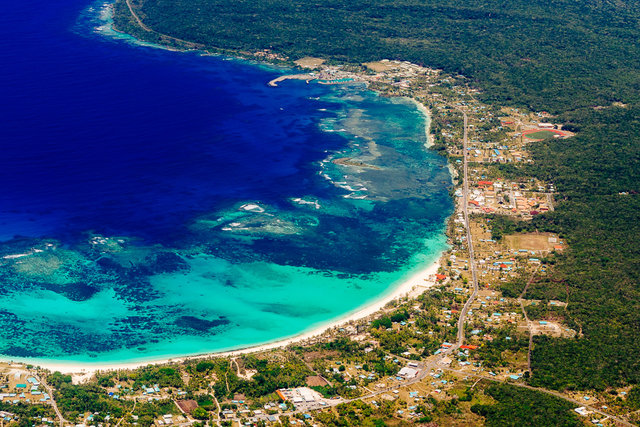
521,407
550,55
563,56
602,270
598,175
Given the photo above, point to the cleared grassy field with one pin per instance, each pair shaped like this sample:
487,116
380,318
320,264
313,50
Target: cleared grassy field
531,241
543,134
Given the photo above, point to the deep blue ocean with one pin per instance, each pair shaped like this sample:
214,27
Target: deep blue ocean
157,203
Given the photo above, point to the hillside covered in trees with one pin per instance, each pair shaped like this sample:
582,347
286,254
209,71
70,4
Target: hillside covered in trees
555,55
563,56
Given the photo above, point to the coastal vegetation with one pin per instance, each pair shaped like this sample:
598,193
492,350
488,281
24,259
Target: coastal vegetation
78,399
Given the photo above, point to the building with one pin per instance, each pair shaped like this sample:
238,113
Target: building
408,372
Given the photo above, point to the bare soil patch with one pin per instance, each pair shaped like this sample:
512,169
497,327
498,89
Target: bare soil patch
187,405
380,67
316,381
309,62
315,355
532,241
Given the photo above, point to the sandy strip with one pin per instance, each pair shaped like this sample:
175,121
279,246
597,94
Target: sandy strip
412,287
427,114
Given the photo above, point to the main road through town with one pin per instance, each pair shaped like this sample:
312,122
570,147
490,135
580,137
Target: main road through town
467,225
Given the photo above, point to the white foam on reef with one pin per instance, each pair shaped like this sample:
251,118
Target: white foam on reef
16,256
346,186
101,23
325,176
252,207
354,196
300,201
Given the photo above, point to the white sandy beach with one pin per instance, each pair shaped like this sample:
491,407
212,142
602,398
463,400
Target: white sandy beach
427,114
412,287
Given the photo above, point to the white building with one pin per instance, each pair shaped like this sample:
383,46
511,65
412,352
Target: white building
408,373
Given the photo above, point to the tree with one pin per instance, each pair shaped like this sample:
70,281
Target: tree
200,414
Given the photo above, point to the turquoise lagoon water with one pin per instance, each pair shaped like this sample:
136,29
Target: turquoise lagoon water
162,204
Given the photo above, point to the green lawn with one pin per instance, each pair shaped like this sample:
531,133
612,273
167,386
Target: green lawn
541,134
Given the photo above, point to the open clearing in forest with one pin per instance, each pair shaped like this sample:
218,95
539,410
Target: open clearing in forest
532,241
309,62
543,134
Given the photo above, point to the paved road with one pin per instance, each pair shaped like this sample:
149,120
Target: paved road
524,312
465,210
53,401
472,266
550,201
425,368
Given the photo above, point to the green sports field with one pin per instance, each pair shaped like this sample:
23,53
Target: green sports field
542,134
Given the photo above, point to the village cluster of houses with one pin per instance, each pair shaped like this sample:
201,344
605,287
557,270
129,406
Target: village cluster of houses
15,389
509,198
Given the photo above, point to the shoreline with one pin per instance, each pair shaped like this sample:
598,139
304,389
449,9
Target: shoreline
413,286
427,113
